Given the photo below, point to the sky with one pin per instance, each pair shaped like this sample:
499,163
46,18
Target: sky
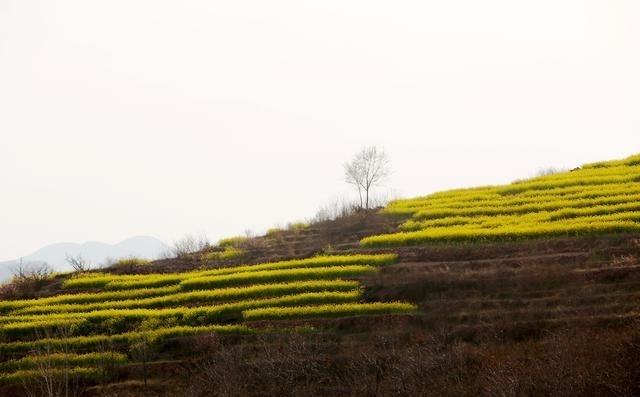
122,118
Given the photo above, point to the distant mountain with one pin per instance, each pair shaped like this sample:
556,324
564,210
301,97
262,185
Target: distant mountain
94,252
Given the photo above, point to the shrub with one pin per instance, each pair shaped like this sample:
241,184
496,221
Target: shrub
297,226
189,244
232,241
27,279
228,253
274,232
131,262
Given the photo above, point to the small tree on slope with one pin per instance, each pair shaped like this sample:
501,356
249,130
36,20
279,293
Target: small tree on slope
367,169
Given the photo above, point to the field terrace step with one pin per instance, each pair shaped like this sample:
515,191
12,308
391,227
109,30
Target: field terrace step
505,330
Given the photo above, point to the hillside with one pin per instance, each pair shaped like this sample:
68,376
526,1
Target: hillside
526,289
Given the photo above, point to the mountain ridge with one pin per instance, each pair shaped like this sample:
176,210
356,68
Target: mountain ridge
95,252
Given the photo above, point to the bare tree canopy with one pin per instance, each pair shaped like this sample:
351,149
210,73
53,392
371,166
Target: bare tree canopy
32,271
78,263
367,169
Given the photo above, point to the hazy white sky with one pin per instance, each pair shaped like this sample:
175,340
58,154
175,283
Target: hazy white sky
120,118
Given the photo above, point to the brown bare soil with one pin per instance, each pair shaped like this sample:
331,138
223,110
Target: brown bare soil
339,235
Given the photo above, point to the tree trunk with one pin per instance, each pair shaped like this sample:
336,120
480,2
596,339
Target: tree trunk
367,202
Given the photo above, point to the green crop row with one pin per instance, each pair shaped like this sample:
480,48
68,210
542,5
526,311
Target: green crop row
82,298
601,198
629,161
510,232
103,320
318,261
525,197
37,327
567,216
609,194
559,184
150,281
597,180
22,377
200,297
188,315
123,282
232,241
325,311
585,173
269,276
91,341
102,280
615,203
68,360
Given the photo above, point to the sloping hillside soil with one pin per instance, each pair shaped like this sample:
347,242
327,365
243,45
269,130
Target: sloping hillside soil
551,317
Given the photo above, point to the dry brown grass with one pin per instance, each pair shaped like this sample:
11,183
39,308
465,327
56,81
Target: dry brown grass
565,362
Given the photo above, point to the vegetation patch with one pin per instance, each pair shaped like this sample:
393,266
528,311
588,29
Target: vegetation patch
275,276
86,332
324,311
71,360
125,338
25,376
201,297
598,198
229,252
146,281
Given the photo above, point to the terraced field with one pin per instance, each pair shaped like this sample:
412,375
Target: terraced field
484,289
526,289
597,198
99,317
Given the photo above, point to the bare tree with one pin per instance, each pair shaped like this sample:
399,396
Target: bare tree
78,263
32,271
28,279
52,378
367,169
